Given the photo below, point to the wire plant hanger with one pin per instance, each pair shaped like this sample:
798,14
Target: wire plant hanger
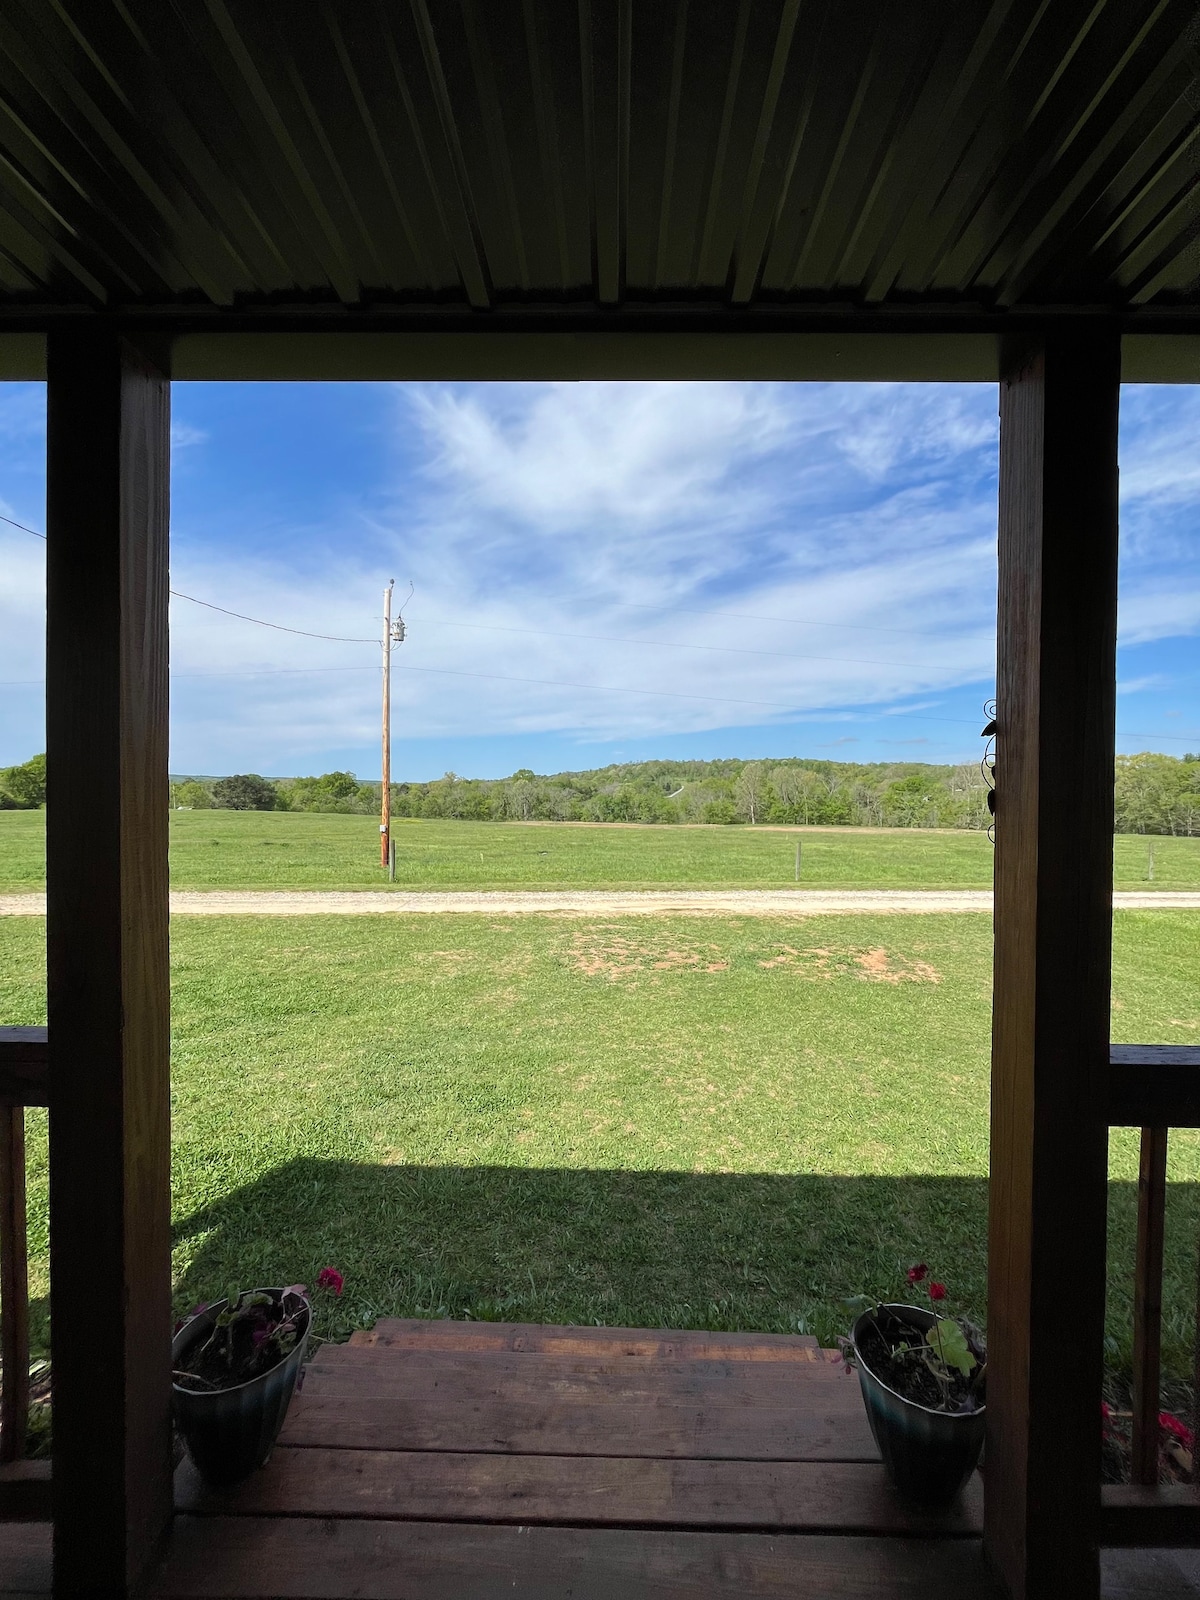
988,764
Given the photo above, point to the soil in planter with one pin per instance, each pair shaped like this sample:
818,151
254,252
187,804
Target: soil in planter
907,1374
222,1362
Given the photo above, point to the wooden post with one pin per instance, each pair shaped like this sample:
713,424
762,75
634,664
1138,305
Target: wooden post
14,1285
1056,686
107,464
1147,1304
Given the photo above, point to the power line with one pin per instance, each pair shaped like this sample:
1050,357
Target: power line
22,526
334,638
608,688
551,683
303,633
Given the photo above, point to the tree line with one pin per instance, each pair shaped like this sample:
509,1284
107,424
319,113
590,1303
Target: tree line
1154,794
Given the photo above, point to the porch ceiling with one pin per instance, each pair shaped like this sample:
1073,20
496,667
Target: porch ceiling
954,156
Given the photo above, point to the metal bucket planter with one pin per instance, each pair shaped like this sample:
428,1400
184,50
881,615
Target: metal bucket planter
230,1432
929,1454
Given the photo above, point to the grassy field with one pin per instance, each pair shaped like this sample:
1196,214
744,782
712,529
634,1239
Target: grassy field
311,850
724,1122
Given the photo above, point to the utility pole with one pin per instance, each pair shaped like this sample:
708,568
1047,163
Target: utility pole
385,811
393,634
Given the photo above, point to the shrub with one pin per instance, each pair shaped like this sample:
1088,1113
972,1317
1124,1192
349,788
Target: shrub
23,788
244,791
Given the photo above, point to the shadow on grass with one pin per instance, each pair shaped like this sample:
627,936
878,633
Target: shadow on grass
630,1248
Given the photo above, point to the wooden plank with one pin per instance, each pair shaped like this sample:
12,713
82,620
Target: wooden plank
388,1375
416,1333
24,1073
250,1558
107,463
1056,687
1153,1085
1144,1516
25,1491
589,1490
831,1427
1147,1305
14,1286
25,1561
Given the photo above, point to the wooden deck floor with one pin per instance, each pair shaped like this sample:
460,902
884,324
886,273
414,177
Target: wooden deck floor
466,1461
447,1459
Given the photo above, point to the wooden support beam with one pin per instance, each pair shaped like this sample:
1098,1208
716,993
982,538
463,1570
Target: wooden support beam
108,441
1153,1086
24,1074
1056,679
1147,1304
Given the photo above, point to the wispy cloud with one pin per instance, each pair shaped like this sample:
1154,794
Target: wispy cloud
604,562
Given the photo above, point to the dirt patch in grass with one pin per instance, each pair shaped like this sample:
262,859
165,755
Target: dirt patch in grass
876,965
618,958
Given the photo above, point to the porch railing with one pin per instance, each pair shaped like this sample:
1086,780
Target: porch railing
1154,1088
24,1081
1151,1087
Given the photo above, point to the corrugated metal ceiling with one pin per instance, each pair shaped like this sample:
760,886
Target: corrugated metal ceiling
480,153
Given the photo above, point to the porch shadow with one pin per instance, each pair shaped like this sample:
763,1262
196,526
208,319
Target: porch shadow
562,1245
630,1248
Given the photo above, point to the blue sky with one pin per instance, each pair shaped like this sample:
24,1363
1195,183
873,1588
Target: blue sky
604,572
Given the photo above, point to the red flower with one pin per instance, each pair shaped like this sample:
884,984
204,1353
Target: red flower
1106,1411
919,1273
1178,1430
937,1291
330,1278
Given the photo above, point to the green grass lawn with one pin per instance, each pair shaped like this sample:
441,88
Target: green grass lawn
724,1122
312,850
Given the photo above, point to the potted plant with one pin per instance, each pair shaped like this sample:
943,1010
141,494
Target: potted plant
235,1365
923,1376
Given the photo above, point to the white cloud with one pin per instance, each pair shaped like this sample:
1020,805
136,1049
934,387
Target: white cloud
708,554
184,436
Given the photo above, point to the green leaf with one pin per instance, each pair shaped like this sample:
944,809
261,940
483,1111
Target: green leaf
949,1343
857,1304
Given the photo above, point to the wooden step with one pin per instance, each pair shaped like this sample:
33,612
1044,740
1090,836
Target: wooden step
416,1333
832,1427
246,1558
380,1372
445,1487
570,1401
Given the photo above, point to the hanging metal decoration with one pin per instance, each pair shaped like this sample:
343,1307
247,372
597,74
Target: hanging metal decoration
988,765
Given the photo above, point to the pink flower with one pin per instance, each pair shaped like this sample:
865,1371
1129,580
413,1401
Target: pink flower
937,1291
330,1278
919,1273
1178,1430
